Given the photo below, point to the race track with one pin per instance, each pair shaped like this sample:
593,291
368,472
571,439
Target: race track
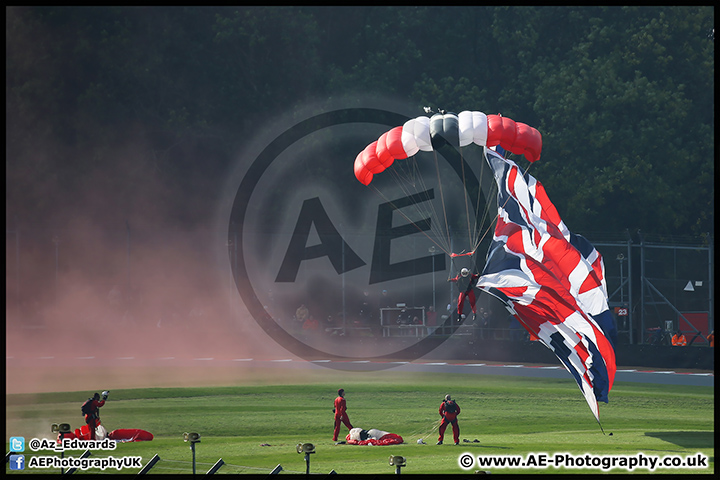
32,373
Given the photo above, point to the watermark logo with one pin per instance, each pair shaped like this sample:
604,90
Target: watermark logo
17,444
67,444
304,232
17,462
587,461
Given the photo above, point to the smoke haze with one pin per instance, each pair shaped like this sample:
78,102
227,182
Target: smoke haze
117,262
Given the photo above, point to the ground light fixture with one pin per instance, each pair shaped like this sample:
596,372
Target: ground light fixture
307,449
397,461
61,429
193,438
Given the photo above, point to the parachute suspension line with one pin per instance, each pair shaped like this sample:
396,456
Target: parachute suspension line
452,267
434,227
425,432
443,248
442,197
601,429
478,225
479,233
491,225
527,169
471,232
409,188
494,221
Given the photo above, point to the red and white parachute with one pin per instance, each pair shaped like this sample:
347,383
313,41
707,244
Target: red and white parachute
119,435
435,166
427,133
551,280
358,436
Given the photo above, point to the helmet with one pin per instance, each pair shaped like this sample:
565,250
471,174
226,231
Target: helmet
464,272
447,397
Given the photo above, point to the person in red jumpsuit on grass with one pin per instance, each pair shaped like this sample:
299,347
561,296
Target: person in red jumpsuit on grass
92,409
466,284
449,410
340,412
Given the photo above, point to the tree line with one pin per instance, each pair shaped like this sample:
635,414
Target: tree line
623,96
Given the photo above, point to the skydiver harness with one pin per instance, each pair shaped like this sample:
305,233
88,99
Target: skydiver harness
450,406
87,408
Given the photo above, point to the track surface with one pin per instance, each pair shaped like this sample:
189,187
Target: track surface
667,377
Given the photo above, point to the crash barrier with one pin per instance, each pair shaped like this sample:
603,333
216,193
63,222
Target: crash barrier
85,454
184,467
168,467
215,467
666,356
149,465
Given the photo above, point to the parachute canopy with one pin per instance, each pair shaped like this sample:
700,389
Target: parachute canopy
551,280
429,133
359,436
436,155
119,435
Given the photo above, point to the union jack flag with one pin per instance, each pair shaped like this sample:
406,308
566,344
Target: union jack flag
551,280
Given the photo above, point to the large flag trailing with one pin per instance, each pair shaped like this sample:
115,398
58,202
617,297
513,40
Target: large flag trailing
551,280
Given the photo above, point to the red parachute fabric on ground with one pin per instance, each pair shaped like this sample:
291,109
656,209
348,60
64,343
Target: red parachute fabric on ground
119,435
84,433
130,435
387,439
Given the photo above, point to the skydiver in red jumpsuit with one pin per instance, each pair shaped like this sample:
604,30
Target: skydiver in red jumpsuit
466,284
449,410
340,411
93,417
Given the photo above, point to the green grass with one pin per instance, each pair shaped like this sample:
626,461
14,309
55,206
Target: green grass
508,415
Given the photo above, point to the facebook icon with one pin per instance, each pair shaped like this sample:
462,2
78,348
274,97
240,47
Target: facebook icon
17,462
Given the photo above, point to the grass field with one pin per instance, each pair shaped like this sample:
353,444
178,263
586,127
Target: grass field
507,415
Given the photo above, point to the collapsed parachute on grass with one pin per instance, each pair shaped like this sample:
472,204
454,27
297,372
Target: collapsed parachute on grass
119,435
358,436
